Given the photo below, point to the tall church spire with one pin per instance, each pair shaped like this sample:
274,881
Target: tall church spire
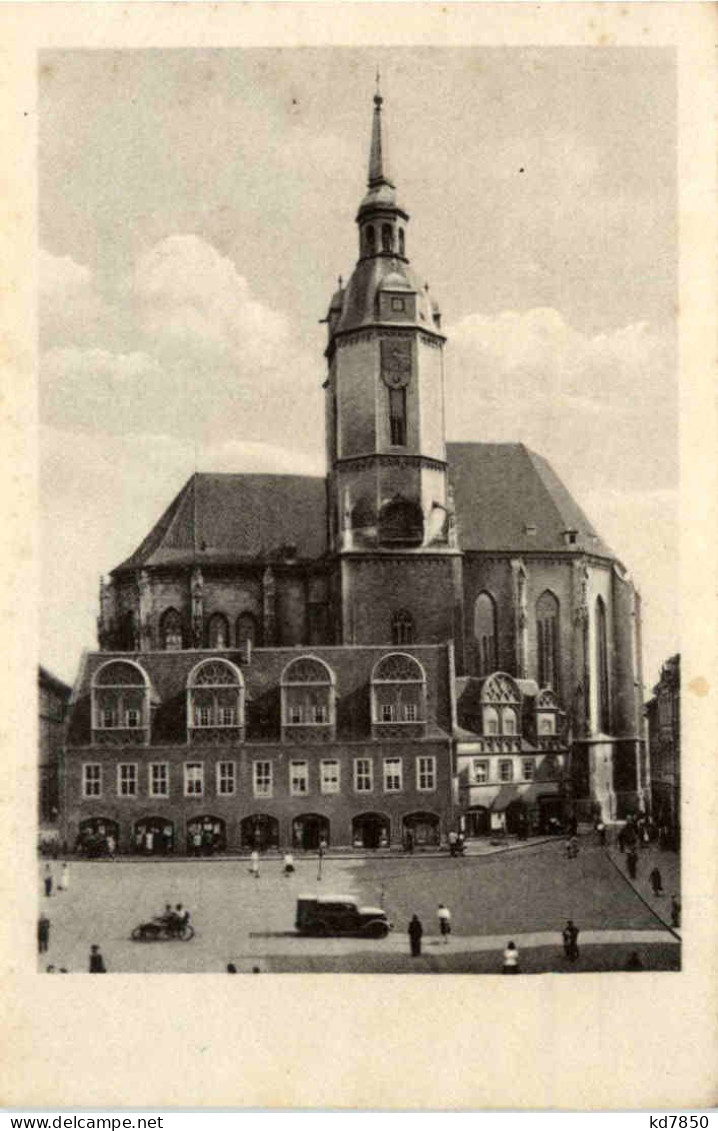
378,162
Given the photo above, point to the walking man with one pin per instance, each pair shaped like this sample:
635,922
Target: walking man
64,883
675,911
47,878
656,881
570,940
254,864
511,959
43,934
97,962
444,917
632,861
415,934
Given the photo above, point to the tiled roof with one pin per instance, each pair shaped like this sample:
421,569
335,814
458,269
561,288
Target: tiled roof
221,519
504,491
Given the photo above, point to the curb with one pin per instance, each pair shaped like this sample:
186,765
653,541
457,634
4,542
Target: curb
627,879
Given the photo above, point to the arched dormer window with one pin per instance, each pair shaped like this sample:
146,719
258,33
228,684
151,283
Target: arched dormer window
120,704
246,630
218,631
604,705
490,720
215,702
308,700
509,721
547,712
398,692
547,640
387,237
401,241
485,633
171,631
402,627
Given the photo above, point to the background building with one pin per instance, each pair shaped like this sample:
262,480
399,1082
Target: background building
53,698
469,565
663,712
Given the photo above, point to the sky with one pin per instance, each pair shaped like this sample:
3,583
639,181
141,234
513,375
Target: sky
197,207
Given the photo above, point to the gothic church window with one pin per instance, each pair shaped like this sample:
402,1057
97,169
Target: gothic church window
218,631
397,417
547,639
485,633
604,713
402,627
171,631
246,630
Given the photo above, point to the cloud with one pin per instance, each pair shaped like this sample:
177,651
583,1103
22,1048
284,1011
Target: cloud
188,296
185,347
580,399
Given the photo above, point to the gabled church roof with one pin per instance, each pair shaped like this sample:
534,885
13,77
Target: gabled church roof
509,498
227,518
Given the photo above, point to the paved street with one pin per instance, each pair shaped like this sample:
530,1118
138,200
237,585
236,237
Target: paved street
525,894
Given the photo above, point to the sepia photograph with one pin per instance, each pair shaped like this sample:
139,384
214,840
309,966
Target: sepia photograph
360,631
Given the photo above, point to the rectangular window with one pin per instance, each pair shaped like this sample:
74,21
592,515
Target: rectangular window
225,779
320,713
227,717
159,779
296,713
298,778
127,779
388,713
193,779
527,769
107,717
397,303
481,770
262,779
363,776
397,417
132,717
426,774
506,770
392,775
91,780
202,717
410,713
330,777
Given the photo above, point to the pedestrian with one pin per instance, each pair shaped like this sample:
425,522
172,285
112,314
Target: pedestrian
254,864
64,882
452,843
634,961
460,843
288,864
111,846
601,830
570,940
444,917
231,968
656,881
48,880
632,861
409,841
415,934
511,959
675,911
197,842
621,840
50,969
43,934
97,962
150,841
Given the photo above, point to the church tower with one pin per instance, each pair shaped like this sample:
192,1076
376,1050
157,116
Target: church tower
390,512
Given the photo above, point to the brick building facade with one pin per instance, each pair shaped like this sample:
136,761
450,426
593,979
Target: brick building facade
53,698
663,712
472,557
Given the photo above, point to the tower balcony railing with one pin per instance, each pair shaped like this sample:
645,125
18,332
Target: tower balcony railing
120,736
399,729
216,735
309,732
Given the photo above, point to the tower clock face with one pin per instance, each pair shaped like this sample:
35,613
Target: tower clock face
395,362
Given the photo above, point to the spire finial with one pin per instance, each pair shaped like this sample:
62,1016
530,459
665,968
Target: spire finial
378,174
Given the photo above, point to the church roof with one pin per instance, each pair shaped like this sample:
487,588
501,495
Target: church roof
222,519
509,498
